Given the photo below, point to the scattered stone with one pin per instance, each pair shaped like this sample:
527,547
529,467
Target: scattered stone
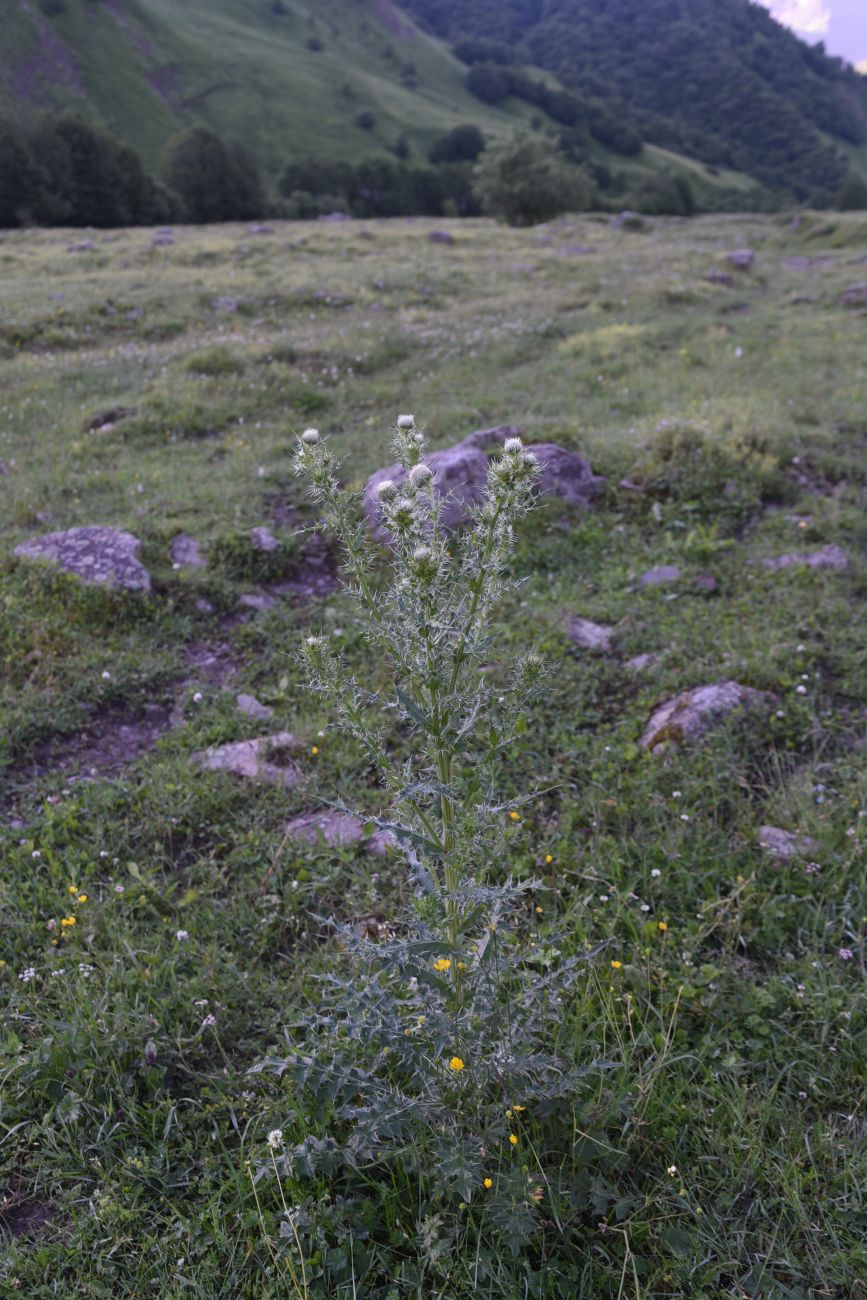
782,845
741,259
828,557
225,304
106,556
855,295
257,601
204,606
720,277
105,421
263,539
441,237
487,439
338,830
660,575
249,705
689,716
706,582
84,246
265,759
640,663
574,250
4,469
335,216
186,552
163,238
261,228
566,475
590,636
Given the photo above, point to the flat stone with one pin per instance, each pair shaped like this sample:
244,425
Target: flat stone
187,552
660,575
488,439
225,304
249,705
590,636
855,295
741,259
706,582
783,846
720,277
338,830
83,246
163,239
440,237
263,760
828,557
257,601
692,714
640,663
263,539
566,474
105,556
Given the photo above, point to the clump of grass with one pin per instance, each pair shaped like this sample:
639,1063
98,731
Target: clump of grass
215,362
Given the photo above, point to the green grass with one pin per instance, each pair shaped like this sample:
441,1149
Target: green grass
126,1128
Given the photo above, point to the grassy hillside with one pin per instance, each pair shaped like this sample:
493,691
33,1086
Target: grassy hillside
156,390
288,83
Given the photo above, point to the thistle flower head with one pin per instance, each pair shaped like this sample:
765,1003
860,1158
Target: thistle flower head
386,490
420,474
513,445
310,437
406,422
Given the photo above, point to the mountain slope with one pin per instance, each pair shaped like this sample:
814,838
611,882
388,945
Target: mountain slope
719,79
284,78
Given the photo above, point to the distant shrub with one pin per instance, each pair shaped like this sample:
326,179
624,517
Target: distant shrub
526,180
488,83
463,144
278,8
852,194
315,44
215,361
691,465
366,119
662,194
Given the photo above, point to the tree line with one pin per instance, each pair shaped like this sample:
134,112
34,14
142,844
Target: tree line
64,171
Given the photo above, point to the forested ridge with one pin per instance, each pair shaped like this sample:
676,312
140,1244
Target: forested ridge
717,79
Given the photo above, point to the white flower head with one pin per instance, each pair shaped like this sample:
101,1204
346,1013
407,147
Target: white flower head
275,1139
422,554
513,445
386,490
420,474
406,421
310,437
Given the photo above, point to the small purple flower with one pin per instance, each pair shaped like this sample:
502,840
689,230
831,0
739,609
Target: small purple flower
209,1022
845,954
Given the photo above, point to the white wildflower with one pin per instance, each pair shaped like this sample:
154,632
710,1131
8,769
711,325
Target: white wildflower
386,490
27,975
513,445
406,421
420,474
310,437
275,1139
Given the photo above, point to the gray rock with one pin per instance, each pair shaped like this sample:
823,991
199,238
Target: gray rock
84,246
225,304
204,606
263,539
163,239
628,220
257,601
640,663
660,575
461,473
720,277
187,552
249,705
590,636
264,759
106,556
335,216
706,582
441,237
4,469
338,830
261,228
741,259
689,716
828,557
855,295
782,845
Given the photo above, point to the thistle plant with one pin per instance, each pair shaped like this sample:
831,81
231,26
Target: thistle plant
431,1049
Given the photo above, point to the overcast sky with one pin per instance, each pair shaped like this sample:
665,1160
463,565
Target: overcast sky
841,24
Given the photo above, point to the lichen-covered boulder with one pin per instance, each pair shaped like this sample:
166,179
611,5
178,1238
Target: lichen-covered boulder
590,636
107,556
338,830
783,846
264,759
827,557
691,715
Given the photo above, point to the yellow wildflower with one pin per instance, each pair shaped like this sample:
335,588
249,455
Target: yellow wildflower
615,965
462,966
519,1108
82,898
442,964
315,750
662,927
456,1064
513,1139
515,817
488,1183
73,889
68,920
549,858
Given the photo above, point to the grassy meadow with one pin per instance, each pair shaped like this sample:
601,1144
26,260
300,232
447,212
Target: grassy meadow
157,389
